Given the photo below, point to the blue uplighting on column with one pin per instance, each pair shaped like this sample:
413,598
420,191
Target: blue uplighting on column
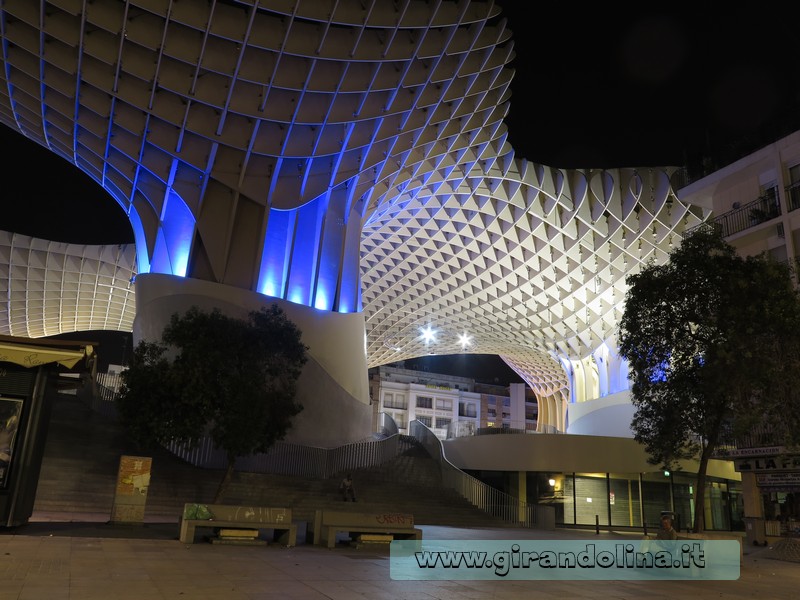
174,241
275,256
305,251
142,257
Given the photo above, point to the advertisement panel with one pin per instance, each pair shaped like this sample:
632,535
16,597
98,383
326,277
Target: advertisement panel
10,412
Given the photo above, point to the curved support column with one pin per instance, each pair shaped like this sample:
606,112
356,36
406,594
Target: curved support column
333,388
602,373
599,387
306,255
612,370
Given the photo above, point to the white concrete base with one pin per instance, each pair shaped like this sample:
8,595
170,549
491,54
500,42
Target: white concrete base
607,416
333,388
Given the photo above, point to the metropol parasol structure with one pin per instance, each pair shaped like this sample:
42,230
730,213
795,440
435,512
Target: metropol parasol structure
345,159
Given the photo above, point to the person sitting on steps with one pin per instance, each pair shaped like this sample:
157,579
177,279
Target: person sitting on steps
347,489
667,532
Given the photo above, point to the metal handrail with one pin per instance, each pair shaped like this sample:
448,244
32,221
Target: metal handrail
283,458
490,500
387,424
758,436
762,209
793,196
294,459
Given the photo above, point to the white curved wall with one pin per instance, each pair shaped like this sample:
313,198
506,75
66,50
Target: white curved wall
607,416
333,388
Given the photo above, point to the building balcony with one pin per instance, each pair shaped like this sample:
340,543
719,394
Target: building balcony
793,196
762,209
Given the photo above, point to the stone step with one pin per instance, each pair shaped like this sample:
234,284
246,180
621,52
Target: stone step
82,455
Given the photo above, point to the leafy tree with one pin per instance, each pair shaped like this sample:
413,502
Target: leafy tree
713,343
150,405
235,379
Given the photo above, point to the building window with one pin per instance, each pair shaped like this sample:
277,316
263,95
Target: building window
442,423
467,409
425,420
400,420
424,402
794,188
444,404
394,401
772,201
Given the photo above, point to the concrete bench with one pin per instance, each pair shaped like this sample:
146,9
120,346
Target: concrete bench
715,535
707,535
240,517
329,523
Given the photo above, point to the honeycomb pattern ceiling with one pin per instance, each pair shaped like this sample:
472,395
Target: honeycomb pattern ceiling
360,141
520,260
49,288
531,271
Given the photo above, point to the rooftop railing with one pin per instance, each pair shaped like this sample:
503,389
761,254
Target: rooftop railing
758,440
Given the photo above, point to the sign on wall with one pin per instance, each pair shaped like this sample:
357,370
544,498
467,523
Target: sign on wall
767,464
778,479
751,452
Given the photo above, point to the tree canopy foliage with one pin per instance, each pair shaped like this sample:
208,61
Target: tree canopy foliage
232,379
713,344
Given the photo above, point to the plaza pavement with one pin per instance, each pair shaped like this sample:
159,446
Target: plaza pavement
52,558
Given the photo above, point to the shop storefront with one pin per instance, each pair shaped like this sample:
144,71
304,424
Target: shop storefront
631,500
776,477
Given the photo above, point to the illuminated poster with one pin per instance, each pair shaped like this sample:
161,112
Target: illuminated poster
10,411
133,479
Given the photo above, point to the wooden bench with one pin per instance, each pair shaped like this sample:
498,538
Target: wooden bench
329,523
240,517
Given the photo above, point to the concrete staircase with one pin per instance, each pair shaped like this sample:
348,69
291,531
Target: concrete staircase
82,455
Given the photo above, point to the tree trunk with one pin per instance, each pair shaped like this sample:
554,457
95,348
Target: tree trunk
226,481
700,492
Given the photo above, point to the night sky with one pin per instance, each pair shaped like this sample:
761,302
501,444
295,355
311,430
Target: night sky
595,86
655,85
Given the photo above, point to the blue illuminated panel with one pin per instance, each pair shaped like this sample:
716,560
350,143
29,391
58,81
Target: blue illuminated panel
174,241
142,257
274,258
302,271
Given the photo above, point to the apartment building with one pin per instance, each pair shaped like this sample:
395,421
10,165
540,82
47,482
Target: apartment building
755,201
512,407
444,403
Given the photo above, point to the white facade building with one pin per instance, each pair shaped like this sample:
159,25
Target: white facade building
435,400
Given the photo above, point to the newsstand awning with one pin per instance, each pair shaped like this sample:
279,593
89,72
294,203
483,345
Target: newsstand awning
32,355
